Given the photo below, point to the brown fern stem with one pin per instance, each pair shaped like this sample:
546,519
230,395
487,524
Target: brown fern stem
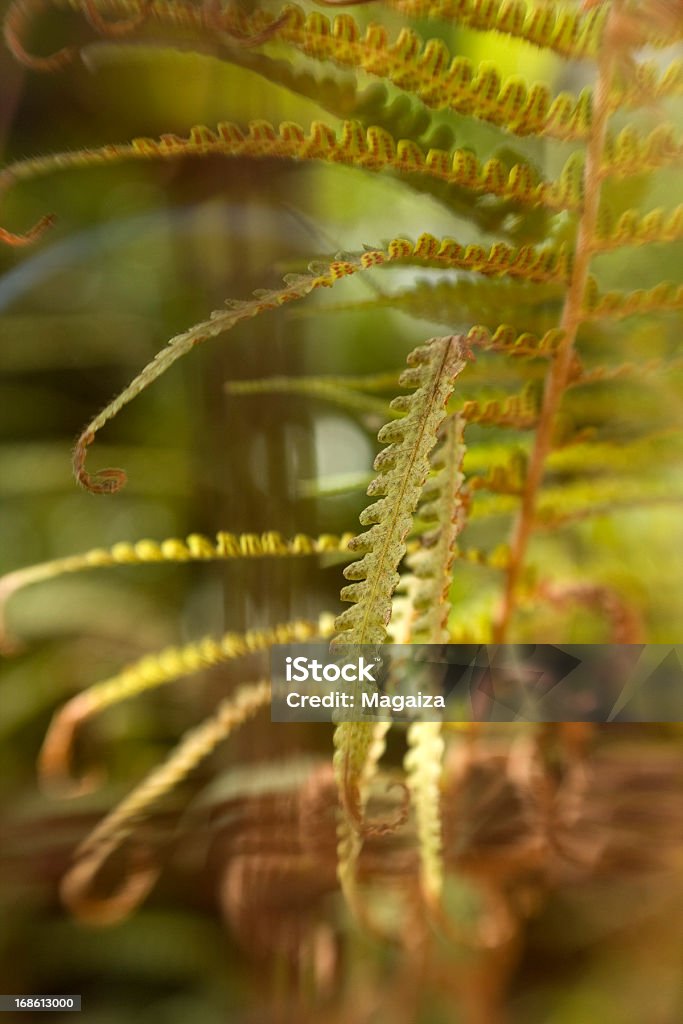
30,236
17,20
560,371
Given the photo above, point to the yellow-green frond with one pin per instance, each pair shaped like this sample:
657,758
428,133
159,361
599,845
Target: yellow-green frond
629,154
546,264
157,670
403,468
423,765
427,70
519,411
195,547
663,298
329,389
560,27
443,507
93,853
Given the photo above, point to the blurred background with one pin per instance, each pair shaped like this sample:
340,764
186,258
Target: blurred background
246,924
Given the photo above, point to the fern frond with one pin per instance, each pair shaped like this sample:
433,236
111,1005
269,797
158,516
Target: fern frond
372,149
586,408
583,499
91,856
330,389
502,338
503,478
423,764
425,69
563,504
526,262
148,673
435,167
403,467
663,298
580,299
443,503
195,547
616,457
366,382
442,82
647,84
519,411
653,367
577,463
539,264
491,377
559,27
339,95
566,31
487,301
629,154
361,745
400,115
634,228
505,410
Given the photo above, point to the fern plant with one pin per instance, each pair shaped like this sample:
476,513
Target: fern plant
520,421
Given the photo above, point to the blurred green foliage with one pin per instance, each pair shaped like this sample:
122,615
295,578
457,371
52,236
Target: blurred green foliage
140,252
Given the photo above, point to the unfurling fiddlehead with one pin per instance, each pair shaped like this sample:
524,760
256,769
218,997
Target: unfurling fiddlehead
547,264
